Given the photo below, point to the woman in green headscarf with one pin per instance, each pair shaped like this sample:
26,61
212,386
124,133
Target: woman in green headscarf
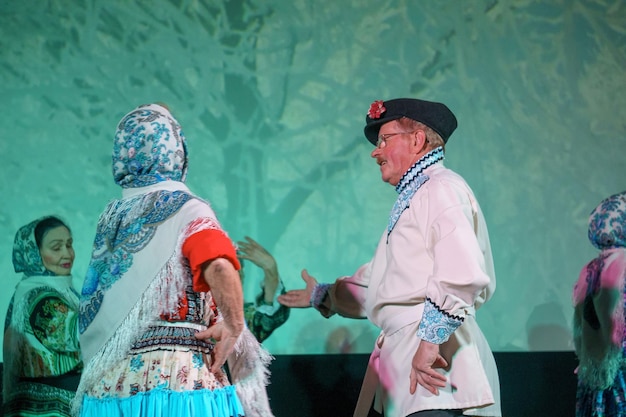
42,360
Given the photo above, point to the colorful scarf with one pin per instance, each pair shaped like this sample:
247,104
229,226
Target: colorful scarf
149,147
607,223
26,256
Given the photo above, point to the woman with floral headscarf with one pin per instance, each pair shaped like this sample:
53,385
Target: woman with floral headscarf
160,308
600,315
41,352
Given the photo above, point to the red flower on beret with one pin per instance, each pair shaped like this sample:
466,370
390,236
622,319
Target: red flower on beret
377,108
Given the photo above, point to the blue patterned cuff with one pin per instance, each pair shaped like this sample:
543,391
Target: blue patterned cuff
436,325
319,294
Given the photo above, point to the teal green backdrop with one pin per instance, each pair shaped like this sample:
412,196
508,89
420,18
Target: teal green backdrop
272,96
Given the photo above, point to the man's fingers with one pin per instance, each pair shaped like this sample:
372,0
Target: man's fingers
435,378
440,362
430,380
413,382
310,281
432,389
292,298
430,383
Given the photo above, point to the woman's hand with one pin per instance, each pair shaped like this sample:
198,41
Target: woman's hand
224,344
223,279
257,254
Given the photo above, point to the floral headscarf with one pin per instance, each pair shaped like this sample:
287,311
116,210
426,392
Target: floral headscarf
149,147
607,223
26,257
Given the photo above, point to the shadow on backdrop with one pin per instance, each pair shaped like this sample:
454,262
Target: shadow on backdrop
548,329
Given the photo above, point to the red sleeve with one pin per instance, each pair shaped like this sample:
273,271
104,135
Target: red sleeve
206,245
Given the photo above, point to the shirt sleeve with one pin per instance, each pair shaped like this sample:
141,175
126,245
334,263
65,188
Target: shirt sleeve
459,274
207,245
346,296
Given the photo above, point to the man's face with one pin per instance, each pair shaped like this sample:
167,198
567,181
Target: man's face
395,152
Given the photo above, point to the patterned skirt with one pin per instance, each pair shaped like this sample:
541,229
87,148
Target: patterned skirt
165,374
35,399
610,402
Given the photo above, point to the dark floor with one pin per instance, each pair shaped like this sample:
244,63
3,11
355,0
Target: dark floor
536,384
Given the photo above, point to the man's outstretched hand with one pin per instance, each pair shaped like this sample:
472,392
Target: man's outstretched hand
299,298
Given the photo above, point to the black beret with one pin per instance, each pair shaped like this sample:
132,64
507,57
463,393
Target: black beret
437,116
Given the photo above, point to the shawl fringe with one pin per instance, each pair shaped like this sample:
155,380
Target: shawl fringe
600,373
117,347
248,365
161,296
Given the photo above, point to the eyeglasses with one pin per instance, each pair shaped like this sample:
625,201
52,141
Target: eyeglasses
381,141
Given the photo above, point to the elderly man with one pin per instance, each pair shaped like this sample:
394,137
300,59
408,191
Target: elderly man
431,271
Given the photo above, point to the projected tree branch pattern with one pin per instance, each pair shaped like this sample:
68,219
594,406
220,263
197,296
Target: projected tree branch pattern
272,96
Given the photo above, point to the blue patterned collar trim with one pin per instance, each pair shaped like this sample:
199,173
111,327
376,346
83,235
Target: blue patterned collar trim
410,182
424,162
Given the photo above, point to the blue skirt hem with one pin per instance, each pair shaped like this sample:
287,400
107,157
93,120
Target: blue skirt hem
221,402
